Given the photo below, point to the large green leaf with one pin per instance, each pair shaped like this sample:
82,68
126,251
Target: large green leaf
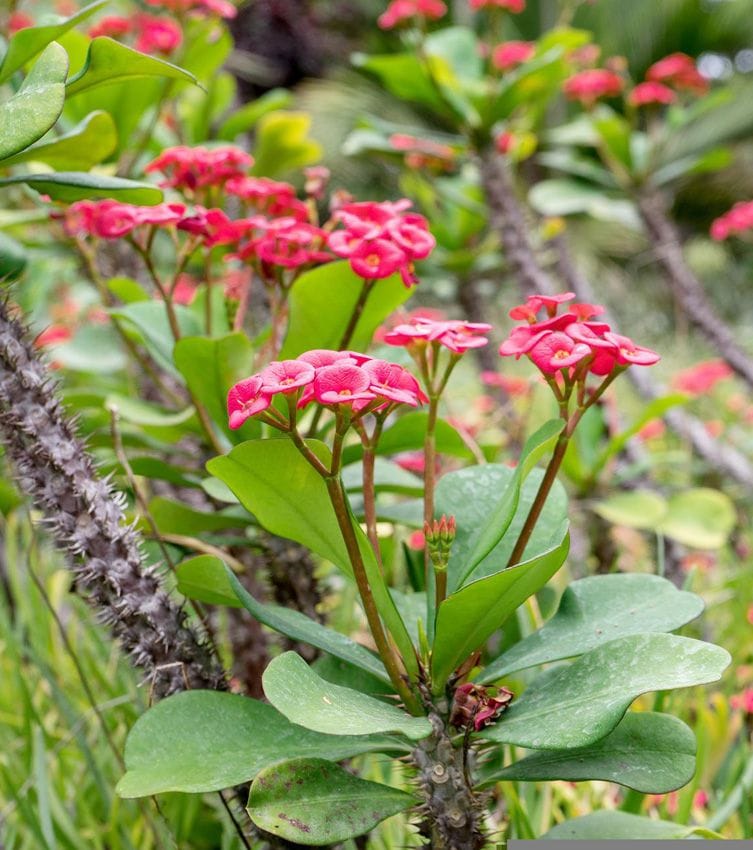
289,498
28,42
577,704
634,508
151,321
604,825
305,698
35,107
206,579
650,752
322,301
598,609
108,61
468,617
87,144
490,504
314,802
282,144
404,75
200,741
173,517
211,367
69,186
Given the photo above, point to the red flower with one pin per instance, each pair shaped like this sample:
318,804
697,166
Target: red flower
221,8
514,6
319,357
111,219
184,290
651,92
393,382
342,383
403,10
191,168
556,350
53,335
590,85
19,21
510,54
736,220
246,399
376,258
678,70
157,35
286,376
287,243
111,26
701,378
743,701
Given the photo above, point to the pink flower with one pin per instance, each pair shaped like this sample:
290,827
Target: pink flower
510,54
53,335
19,21
213,226
750,615
652,430
111,26
287,243
700,799
590,85
393,382
342,383
701,378
271,197
736,220
457,336
514,387
678,70
317,178
743,702
286,376
184,290
221,8
629,353
157,35
377,258
191,168
320,357
111,219
556,350
505,142
246,399
651,92
514,6
416,541
399,11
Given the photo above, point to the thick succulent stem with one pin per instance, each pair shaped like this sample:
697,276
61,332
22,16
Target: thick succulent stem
452,814
85,517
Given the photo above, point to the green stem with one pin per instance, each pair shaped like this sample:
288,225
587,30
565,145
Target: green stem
350,329
369,494
430,475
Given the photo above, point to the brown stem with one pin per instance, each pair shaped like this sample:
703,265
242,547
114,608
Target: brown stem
369,494
430,475
368,285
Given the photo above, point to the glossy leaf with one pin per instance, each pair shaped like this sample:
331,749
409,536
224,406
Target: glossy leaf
298,626
576,704
468,617
69,186
30,41
210,367
322,301
305,698
205,579
173,517
596,610
649,752
108,61
282,144
604,825
35,107
87,144
313,802
199,741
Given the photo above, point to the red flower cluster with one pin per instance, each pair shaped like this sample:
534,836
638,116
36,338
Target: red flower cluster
267,196
510,54
404,10
590,85
514,6
701,378
153,34
736,220
111,220
282,242
679,71
220,8
192,168
328,377
562,341
380,239
649,93
455,335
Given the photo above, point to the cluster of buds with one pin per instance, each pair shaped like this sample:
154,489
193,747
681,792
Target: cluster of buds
342,381
474,707
379,239
439,536
571,344
737,220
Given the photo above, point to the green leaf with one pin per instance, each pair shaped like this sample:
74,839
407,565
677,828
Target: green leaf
404,75
28,42
69,186
150,320
651,753
87,144
615,133
305,698
633,508
282,144
139,412
562,197
205,578
199,741
245,118
313,802
576,704
211,367
108,61
468,617
596,610
94,348
322,301
298,626
35,107
128,290
701,517
13,258
173,517
604,825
